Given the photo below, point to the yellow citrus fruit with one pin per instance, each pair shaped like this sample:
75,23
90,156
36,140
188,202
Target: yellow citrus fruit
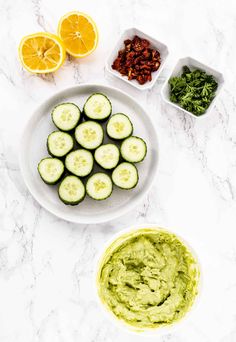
42,52
79,34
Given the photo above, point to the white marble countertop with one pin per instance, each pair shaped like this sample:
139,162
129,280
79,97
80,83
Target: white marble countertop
46,264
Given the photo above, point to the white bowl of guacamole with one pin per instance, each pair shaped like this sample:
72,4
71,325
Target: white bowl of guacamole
148,278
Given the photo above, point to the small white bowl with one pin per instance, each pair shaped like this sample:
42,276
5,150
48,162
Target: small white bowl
172,328
129,34
192,64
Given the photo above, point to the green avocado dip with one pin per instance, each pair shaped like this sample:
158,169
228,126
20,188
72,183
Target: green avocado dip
148,278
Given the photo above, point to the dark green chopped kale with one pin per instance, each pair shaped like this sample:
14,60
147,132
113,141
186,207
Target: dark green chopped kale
193,90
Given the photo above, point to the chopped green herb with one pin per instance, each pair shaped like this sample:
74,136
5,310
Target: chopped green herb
193,90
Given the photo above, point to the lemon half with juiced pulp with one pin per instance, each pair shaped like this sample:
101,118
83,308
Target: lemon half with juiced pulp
42,52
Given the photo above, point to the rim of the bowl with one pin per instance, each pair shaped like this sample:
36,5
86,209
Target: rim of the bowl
84,220
122,324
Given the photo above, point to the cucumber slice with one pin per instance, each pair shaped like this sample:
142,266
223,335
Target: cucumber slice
66,116
99,186
119,127
133,149
71,190
79,162
89,135
50,170
97,107
125,176
107,156
59,143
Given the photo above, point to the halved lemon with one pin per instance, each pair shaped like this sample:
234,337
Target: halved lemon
41,52
79,34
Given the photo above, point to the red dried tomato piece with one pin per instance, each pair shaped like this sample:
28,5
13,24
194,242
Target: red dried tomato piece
156,66
145,66
137,44
116,63
127,41
130,55
137,60
141,79
146,53
145,43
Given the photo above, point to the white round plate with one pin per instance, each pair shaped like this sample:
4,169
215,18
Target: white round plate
33,149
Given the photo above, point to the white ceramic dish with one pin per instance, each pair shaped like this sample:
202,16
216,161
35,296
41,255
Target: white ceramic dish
33,149
156,44
192,63
119,323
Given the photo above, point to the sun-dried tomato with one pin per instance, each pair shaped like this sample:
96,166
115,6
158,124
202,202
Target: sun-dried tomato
145,43
137,60
141,79
127,41
146,53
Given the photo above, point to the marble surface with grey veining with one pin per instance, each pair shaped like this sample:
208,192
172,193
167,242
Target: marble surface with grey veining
46,264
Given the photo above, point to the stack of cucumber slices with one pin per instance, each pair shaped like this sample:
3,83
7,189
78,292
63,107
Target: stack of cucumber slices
77,146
